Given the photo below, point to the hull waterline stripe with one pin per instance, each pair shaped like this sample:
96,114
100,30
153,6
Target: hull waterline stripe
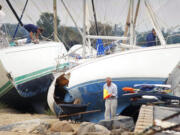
8,86
5,85
37,74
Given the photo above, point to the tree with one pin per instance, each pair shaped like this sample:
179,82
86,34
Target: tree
46,22
103,29
70,35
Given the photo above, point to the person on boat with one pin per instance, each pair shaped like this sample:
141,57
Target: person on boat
110,96
151,39
32,29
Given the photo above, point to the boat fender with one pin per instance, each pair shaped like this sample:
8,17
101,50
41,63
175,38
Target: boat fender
149,97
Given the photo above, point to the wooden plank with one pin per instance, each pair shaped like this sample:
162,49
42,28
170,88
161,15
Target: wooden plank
74,114
145,119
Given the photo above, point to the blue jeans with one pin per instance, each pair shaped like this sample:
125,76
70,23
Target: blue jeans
28,40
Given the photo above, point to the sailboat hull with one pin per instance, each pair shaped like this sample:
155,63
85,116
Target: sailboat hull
142,66
27,74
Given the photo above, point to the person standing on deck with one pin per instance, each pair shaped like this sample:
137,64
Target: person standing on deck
151,39
30,31
110,96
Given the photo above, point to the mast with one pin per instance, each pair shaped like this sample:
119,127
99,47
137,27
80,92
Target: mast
131,22
137,11
95,19
127,23
55,20
84,28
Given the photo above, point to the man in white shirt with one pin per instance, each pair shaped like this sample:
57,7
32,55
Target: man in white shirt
111,102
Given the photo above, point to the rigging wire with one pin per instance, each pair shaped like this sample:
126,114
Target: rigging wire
19,10
20,19
145,18
48,21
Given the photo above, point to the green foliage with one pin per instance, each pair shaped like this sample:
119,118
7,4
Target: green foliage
103,29
69,35
46,21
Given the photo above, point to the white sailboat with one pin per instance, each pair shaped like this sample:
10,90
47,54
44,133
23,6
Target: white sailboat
138,66
26,72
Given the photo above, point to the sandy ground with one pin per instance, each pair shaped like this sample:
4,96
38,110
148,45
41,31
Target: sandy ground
8,116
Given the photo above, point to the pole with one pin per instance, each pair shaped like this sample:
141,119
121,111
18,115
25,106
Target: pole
84,28
131,23
137,11
127,24
55,20
20,19
14,12
95,19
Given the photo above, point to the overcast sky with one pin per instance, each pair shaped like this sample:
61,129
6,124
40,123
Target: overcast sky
108,11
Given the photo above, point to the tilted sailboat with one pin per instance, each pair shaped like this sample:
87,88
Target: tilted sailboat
139,66
26,73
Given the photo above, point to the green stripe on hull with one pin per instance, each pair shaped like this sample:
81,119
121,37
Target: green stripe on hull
28,77
37,74
32,78
5,88
5,85
32,74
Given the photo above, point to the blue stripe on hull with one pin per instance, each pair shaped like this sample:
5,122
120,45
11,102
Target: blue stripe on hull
91,93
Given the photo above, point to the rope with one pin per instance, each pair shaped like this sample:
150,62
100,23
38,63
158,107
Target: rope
49,22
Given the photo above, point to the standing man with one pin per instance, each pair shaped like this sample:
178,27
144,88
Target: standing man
110,96
31,30
151,39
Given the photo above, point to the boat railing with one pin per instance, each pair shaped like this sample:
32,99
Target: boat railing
174,38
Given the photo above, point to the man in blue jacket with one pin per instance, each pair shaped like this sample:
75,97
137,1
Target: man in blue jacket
31,30
151,39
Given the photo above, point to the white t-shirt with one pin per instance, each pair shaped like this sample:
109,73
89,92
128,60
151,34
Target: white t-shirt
112,89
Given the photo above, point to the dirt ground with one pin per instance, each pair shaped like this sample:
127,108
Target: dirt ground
9,116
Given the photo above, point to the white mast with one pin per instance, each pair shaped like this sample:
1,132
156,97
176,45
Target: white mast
154,23
131,22
88,26
84,28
